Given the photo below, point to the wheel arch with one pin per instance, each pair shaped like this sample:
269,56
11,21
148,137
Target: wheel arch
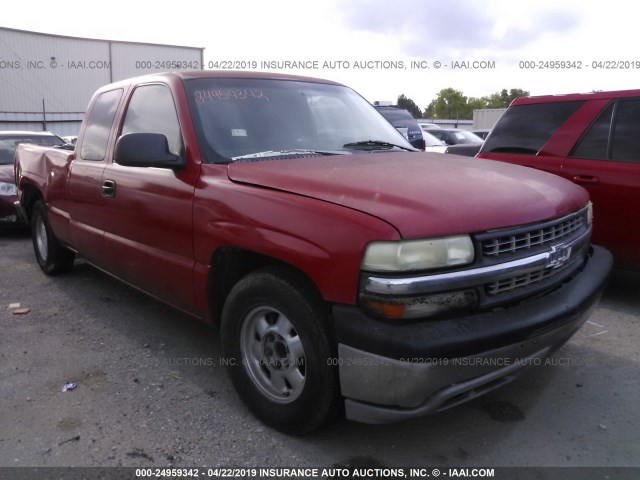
231,264
28,198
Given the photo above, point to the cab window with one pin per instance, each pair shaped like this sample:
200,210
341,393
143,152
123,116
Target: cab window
152,110
99,123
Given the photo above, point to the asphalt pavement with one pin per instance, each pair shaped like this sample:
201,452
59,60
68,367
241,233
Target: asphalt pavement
150,390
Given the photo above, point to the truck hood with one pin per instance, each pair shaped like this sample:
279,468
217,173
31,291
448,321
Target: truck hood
422,194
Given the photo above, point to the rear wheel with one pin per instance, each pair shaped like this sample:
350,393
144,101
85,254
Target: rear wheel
279,349
52,257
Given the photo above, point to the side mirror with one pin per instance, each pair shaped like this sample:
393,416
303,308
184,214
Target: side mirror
146,150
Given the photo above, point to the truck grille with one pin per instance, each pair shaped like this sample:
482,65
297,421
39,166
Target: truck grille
521,281
565,261
533,236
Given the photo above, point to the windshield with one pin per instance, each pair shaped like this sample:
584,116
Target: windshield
456,137
396,115
431,141
462,136
257,118
8,144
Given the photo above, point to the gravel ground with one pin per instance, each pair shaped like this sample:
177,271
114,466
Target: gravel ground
150,391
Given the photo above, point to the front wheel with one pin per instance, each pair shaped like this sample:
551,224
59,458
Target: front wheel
279,348
52,257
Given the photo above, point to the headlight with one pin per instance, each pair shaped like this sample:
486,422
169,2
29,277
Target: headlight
412,255
7,189
416,255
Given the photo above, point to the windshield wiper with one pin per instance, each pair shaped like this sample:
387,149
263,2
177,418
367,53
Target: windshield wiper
375,143
272,153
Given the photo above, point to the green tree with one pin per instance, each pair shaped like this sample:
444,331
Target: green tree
453,104
410,105
450,103
503,98
476,104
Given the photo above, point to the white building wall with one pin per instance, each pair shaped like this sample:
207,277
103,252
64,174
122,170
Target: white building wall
62,124
59,74
45,67
133,60
486,118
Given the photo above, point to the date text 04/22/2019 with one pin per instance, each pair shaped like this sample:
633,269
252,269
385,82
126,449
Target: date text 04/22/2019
579,65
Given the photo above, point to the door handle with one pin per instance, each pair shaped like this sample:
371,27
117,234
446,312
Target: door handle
586,180
108,188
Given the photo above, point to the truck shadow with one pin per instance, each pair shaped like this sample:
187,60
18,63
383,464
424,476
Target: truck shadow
623,291
14,233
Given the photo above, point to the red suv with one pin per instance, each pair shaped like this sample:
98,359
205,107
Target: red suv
592,139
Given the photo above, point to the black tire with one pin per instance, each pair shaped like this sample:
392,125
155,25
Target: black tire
288,379
52,257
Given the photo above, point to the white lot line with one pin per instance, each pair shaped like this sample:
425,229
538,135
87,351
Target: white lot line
588,321
599,333
596,325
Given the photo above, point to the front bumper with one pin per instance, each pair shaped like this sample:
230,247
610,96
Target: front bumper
8,214
391,372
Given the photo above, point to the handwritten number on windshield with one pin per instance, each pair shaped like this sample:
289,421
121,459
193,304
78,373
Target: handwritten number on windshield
230,94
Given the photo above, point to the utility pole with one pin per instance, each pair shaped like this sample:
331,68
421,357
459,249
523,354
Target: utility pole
44,117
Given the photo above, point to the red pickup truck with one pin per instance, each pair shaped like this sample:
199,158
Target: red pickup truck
345,269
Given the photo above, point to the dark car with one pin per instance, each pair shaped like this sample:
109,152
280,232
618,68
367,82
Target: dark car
454,136
482,133
401,118
8,142
591,139
464,149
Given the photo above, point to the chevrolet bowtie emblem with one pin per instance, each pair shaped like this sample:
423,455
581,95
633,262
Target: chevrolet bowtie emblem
558,256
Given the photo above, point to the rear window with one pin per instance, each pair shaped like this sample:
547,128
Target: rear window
396,114
622,144
399,117
626,141
525,129
8,144
595,144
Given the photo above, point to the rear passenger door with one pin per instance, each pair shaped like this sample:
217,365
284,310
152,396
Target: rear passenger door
81,208
606,161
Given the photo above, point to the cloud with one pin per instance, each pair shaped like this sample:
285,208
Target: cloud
434,28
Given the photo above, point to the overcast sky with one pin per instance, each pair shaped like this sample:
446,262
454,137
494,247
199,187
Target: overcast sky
377,34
